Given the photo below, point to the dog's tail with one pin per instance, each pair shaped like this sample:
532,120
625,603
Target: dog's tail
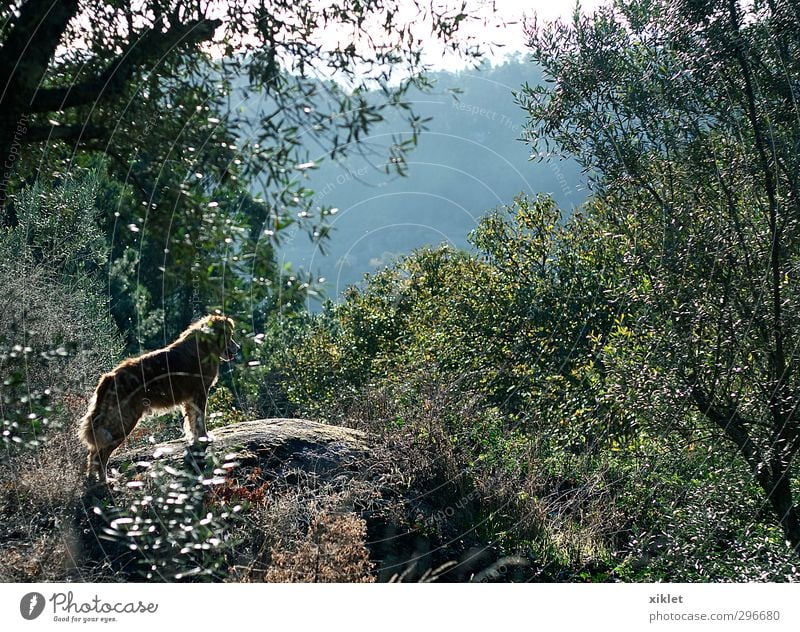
89,433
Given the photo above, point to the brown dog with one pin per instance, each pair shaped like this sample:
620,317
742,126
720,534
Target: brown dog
180,374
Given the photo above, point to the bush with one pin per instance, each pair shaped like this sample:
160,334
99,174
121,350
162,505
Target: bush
333,550
55,332
55,338
170,530
508,385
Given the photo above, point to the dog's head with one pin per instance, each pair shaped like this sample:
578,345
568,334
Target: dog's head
218,331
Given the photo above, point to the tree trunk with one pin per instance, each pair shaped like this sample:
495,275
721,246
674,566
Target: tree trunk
27,50
13,129
780,497
772,477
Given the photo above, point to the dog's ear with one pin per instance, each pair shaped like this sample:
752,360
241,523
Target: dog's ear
208,325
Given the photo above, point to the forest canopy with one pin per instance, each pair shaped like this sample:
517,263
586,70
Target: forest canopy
153,88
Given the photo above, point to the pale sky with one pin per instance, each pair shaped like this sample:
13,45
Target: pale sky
511,35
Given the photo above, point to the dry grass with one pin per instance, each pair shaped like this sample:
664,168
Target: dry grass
39,499
333,550
299,512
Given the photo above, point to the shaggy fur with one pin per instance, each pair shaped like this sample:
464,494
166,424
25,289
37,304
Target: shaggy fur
180,374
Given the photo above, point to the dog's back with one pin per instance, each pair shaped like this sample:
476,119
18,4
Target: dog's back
171,376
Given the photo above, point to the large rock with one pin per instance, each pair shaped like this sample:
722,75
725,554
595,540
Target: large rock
299,461
274,444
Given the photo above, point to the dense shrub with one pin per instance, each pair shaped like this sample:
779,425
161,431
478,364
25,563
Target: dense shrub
55,331
165,529
55,338
515,377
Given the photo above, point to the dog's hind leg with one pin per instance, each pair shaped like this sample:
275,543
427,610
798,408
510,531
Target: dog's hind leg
94,470
103,455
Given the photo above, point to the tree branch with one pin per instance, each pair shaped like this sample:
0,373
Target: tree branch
31,44
734,426
145,51
77,133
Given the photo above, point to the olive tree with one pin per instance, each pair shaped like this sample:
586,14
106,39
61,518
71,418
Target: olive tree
96,73
684,114
208,115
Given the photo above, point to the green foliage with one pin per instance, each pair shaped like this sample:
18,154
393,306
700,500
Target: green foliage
171,530
58,226
676,111
222,410
518,324
685,524
526,370
55,329
466,355
24,412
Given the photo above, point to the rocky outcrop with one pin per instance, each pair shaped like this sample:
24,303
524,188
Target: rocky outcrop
275,445
293,469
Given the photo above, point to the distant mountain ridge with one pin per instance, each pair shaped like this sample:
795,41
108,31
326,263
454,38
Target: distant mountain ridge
468,161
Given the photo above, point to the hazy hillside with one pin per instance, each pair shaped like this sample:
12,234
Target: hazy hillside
469,160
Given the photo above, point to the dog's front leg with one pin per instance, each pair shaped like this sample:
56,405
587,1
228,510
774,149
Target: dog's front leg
194,419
